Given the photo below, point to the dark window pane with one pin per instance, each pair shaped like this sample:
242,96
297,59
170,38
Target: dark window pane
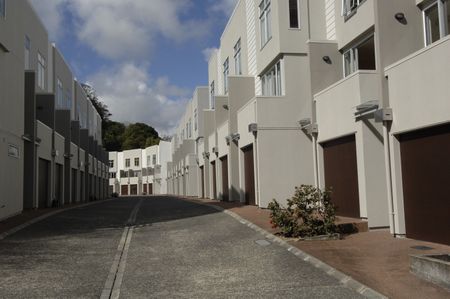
366,55
293,13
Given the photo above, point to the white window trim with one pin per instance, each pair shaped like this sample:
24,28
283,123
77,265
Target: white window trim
351,11
263,13
238,57
278,85
443,30
226,72
355,54
212,95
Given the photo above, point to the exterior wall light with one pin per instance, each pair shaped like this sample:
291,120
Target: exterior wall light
401,18
327,59
225,107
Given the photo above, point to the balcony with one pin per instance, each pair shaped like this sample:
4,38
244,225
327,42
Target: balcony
419,87
336,104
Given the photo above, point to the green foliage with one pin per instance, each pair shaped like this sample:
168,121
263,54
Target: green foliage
139,135
101,107
309,212
113,135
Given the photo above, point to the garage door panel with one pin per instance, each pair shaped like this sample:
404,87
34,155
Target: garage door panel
425,157
341,175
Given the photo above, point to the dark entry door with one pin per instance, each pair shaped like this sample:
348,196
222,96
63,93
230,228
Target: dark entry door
214,179
133,189
82,190
145,188
59,197
225,191
124,190
202,177
250,197
425,160
150,189
341,174
44,179
74,185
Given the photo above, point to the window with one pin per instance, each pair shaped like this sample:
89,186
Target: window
190,127
265,21
212,96
360,57
272,81
436,21
187,130
27,51
2,8
349,6
136,161
127,162
41,71
68,101
237,58
111,163
112,175
195,120
226,72
154,159
59,94
294,14
148,160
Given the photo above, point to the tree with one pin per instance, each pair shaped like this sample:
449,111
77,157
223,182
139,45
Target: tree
113,136
101,107
139,135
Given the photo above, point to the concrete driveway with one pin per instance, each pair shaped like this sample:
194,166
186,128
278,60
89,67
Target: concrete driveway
153,247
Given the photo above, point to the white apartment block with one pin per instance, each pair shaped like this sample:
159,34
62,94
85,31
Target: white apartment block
50,134
140,171
350,95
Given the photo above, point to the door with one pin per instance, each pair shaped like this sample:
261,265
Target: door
425,162
145,189
44,182
74,185
341,175
150,189
82,192
225,191
124,190
133,189
250,197
214,179
59,197
202,177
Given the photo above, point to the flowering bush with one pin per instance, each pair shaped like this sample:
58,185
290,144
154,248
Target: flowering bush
309,213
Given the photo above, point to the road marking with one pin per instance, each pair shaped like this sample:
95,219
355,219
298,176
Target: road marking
111,290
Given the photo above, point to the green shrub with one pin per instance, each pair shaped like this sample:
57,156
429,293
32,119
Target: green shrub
309,213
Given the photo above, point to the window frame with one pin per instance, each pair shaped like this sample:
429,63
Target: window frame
355,55
27,46
42,65
127,163
298,15
347,12
111,163
154,159
136,162
195,120
212,95
3,11
265,21
442,6
59,94
238,58
272,81
226,72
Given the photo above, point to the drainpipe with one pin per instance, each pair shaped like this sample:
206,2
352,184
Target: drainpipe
387,154
255,160
316,161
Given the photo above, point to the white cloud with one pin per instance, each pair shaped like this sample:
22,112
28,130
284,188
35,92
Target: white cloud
224,6
132,96
208,52
50,11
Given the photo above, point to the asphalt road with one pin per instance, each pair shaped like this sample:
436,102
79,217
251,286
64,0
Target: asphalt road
153,247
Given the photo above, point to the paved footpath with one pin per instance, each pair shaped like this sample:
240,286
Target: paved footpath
154,247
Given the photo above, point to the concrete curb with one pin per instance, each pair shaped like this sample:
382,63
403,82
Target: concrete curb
40,218
346,280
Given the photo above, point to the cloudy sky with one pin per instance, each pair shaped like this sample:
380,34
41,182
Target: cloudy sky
144,57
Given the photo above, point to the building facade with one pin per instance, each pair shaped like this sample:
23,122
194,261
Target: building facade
343,94
140,171
43,116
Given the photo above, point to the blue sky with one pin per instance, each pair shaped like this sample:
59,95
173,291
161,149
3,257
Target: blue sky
144,57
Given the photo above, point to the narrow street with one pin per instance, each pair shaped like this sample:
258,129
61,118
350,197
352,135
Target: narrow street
153,247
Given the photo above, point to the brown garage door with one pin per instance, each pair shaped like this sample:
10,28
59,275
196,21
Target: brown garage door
74,185
214,179
133,189
341,174
202,177
124,190
59,196
249,176
225,190
44,179
425,157
150,189
145,188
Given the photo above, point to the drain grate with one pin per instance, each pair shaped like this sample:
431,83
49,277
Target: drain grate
262,243
421,247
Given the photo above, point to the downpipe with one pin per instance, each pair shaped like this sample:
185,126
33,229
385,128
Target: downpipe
387,154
